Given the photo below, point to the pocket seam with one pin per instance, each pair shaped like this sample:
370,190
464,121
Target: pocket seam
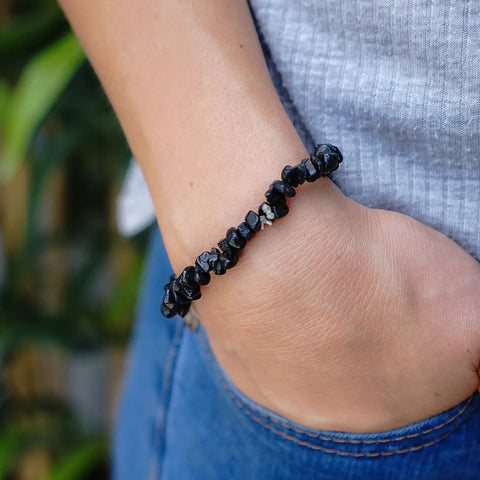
248,410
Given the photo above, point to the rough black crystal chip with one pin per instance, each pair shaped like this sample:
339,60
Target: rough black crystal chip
301,174
280,210
178,309
220,268
337,151
169,296
331,162
253,221
322,149
234,238
201,276
187,277
302,170
182,310
310,170
229,260
215,263
294,175
202,261
290,175
278,192
328,149
320,165
224,246
166,311
273,196
245,231
190,293
328,157
178,294
176,287
285,187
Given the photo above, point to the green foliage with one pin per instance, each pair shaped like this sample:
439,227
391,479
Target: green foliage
9,448
79,461
67,281
39,86
4,96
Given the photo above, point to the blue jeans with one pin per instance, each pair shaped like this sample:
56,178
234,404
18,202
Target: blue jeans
181,418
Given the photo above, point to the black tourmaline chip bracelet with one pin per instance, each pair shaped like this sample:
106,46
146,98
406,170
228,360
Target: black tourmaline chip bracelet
181,291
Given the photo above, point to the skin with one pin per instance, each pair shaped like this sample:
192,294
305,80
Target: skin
338,317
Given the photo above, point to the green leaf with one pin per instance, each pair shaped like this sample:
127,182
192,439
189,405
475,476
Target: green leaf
40,84
4,94
76,464
9,446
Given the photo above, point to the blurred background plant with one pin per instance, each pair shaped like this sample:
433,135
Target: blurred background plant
68,281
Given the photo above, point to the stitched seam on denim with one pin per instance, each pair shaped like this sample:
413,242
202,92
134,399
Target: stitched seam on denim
340,452
162,413
242,406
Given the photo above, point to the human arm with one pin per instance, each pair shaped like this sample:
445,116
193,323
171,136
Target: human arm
332,298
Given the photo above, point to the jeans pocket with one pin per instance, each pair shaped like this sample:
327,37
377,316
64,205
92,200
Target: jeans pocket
404,440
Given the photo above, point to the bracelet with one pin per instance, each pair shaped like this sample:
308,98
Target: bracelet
181,291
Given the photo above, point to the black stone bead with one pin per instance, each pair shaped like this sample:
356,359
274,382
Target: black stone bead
322,149
329,156
219,268
178,309
201,276
302,172
187,277
280,210
166,311
202,261
229,260
176,287
190,293
213,255
278,192
253,221
331,163
215,263
338,152
289,175
182,310
319,163
328,149
245,231
224,246
179,295
273,196
169,296
310,170
234,238
287,189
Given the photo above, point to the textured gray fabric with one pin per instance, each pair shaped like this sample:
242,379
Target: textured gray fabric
396,84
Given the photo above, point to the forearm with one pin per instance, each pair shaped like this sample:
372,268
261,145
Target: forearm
328,317
189,84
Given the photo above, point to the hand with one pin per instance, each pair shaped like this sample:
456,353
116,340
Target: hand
347,318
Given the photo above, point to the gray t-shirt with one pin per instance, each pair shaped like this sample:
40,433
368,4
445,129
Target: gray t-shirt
395,84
